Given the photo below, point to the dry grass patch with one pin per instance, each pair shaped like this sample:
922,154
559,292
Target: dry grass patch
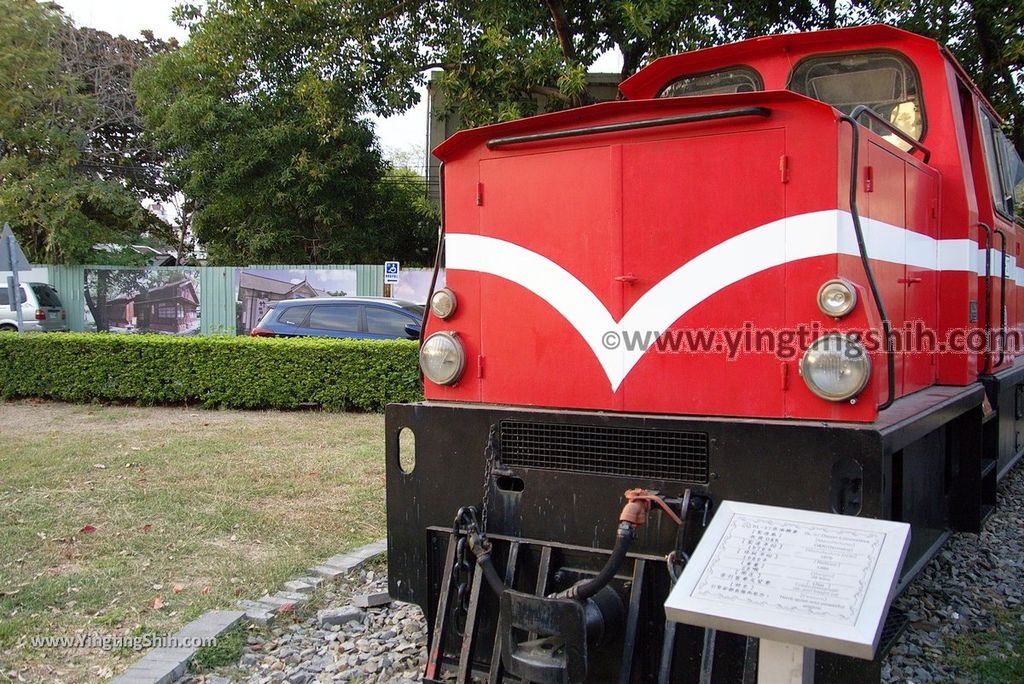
118,520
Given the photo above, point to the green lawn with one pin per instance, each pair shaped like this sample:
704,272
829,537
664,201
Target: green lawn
116,519
995,655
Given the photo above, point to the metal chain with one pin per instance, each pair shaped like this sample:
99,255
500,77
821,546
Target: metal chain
466,523
462,570
462,574
490,455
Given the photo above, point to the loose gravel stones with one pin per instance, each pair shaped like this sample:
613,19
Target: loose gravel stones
341,642
957,594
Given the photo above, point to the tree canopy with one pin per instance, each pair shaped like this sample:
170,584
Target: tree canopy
269,142
257,127
498,56
986,37
63,183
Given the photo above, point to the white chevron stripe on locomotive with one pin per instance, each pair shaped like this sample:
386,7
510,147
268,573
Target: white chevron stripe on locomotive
773,244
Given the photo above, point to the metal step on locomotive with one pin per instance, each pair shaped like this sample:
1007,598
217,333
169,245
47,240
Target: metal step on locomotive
785,271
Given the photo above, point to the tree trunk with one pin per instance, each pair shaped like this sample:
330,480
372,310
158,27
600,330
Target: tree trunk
988,50
631,56
830,14
97,306
562,30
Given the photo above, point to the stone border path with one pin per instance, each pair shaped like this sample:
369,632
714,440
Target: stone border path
165,665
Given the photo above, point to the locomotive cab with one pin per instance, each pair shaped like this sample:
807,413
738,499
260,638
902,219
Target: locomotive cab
757,278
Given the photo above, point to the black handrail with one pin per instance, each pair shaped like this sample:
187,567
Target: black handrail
864,110
437,258
988,297
630,125
872,285
1002,300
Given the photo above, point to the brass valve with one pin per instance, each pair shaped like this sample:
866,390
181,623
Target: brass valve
638,505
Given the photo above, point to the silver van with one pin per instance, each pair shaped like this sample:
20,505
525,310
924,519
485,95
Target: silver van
41,309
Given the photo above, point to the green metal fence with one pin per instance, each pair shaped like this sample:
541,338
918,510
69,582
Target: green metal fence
218,289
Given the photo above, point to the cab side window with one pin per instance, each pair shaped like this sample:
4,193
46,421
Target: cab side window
1004,167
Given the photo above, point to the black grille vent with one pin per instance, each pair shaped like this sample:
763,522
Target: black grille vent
653,454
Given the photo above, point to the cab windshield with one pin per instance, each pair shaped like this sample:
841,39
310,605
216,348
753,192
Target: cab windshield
738,79
883,81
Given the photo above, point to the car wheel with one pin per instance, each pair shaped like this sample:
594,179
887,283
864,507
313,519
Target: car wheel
7,327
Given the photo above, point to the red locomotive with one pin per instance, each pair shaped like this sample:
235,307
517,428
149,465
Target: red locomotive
783,271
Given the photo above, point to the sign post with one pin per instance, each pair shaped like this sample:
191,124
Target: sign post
798,580
14,259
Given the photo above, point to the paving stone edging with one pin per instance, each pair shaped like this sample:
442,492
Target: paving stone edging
165,665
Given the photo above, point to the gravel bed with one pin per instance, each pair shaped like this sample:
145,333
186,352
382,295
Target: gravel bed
974,577
334,641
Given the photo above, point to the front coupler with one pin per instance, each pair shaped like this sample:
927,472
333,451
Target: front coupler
545,631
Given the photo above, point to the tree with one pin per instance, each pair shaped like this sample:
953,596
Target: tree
115,142
986,37
404,204
58,204
498,56
503,60
267,139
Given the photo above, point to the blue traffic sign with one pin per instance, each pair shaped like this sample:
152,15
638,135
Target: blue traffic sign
391,269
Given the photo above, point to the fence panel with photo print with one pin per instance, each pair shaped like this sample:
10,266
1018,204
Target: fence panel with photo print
209,300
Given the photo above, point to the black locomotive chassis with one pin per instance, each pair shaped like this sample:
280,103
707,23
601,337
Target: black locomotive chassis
921,463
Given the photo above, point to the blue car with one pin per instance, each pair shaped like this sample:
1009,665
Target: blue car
367,318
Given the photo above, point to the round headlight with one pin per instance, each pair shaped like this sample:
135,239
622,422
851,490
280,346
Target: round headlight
835,367
836,298
443,303
442,358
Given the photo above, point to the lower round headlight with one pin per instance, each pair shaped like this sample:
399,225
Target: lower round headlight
442,358
835,367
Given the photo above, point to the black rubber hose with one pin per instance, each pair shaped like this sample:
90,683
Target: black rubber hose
873,286
486,563
581,592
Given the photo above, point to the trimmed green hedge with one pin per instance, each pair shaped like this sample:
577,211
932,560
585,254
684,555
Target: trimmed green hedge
229,372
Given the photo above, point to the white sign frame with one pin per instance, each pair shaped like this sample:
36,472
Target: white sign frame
781,622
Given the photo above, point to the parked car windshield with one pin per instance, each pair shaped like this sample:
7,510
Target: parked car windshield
414,309
46,295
